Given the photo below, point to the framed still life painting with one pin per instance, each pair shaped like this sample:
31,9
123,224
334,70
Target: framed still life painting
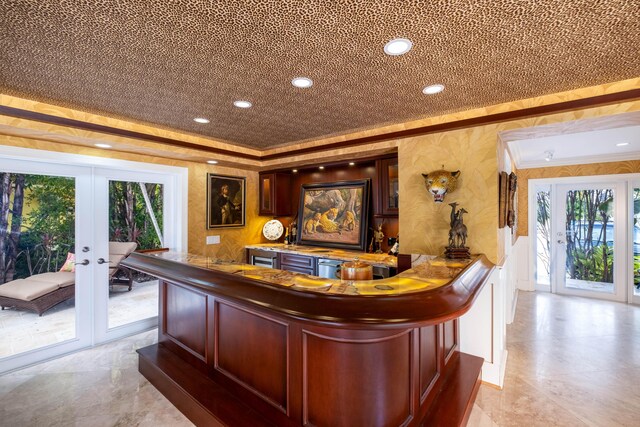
334,214
225,201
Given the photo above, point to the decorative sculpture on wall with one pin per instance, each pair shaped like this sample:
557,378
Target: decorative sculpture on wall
440,182
457,234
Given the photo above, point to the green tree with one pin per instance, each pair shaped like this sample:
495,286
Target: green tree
129,216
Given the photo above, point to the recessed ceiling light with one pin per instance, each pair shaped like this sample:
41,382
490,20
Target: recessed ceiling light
548,155
433,89
621,144
321,167
242,104
397,47
102,145
295,171
201,120
212,162
302,82
351,163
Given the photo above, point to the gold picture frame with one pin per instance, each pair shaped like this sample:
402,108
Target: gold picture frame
226,201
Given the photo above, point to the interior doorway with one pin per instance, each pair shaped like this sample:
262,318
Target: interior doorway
585,236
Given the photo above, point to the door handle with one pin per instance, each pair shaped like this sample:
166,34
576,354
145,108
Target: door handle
561,242
101,261
83,262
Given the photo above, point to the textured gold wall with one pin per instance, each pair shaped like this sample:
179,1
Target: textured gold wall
424,225
524,175
232,241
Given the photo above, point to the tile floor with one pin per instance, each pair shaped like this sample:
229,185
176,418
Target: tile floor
572,362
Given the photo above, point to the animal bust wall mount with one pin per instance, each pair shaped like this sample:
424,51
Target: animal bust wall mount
440,182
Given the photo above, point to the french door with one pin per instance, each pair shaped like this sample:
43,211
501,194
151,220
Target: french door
585,236
139,207
81,207
589,240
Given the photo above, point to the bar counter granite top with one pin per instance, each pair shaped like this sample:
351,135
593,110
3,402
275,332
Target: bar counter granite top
433,273
337,254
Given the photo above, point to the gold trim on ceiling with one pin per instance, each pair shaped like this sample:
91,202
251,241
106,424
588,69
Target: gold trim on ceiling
166,63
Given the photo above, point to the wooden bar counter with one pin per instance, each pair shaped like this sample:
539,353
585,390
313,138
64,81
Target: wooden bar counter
241,345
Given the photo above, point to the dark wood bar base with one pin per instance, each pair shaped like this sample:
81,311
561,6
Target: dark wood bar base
201,399
207,403
223,362
237,352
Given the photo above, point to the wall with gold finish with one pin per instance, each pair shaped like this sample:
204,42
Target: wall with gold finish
524,175
232,240
424,224
475,151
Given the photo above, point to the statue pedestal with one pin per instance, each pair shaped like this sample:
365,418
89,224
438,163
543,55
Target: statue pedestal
457,253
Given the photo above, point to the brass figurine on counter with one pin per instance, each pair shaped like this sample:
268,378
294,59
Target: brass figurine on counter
376,240
457,234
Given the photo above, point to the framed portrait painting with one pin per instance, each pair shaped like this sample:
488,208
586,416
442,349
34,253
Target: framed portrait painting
225,201
334,214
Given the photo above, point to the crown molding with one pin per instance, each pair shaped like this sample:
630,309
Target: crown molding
608,158
541,110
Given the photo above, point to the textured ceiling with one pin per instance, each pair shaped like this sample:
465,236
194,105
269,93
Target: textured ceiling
166,62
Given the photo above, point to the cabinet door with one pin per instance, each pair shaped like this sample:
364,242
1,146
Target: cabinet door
267,193
298,263
275,194
388,186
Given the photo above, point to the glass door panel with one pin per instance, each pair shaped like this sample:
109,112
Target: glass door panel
134,211
635,244
41,242
587,239
135,222
543,239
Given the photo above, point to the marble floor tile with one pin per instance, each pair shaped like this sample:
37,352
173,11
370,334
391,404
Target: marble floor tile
572,362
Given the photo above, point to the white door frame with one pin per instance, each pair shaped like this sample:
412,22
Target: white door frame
26,160
626,242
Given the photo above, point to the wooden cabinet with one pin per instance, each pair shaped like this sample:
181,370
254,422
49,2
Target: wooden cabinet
275,194
387,200
298,263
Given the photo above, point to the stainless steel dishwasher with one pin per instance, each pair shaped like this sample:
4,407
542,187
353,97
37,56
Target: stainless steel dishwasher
328,268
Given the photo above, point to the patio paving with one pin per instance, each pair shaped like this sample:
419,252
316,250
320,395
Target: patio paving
24,330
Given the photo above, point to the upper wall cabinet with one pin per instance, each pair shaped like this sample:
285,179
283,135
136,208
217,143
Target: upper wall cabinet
275,194
387,171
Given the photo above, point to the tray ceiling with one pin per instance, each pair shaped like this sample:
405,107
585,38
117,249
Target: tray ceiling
166,63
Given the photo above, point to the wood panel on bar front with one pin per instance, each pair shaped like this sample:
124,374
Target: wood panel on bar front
228,356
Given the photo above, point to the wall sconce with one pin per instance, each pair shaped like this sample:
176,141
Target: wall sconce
548,155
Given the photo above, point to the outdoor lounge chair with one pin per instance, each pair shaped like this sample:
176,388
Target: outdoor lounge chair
39,292
117,252
42,291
